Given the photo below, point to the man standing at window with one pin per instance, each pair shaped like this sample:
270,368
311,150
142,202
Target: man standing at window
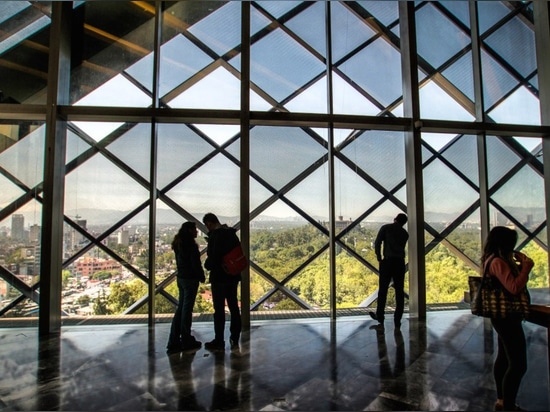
393,237
221,239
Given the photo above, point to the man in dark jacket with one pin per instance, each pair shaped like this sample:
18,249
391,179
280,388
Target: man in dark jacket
221,239
393,237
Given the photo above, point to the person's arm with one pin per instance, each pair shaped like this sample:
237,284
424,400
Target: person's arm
378,243
196,265
503,272
209,248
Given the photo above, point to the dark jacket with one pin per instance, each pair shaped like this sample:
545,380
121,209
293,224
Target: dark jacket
394,237
188,261
220,241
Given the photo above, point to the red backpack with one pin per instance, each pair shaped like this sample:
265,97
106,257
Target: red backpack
234,261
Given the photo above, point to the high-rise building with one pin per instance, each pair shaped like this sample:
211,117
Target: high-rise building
34,233
123,237
18,227
78,238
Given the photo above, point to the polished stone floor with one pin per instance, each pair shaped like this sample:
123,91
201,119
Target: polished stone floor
306,365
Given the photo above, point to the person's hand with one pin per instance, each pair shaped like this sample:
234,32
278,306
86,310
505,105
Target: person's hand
523,260
520,257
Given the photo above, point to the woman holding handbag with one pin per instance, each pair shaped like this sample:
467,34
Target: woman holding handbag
189,274
511,269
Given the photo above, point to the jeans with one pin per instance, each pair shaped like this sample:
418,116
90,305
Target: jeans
222,292
180,331
511,360
391,269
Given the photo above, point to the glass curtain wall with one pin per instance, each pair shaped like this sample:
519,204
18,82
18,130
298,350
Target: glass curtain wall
155,138
24,51
107,177
450,162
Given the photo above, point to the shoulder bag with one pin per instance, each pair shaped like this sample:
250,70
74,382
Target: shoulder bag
491,300
234,262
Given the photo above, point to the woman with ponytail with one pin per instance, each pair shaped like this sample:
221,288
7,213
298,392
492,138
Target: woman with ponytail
511,268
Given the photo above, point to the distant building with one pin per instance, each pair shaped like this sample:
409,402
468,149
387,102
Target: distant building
36,264
29,264
34,235
340,223
18,227
78,238
529,221
123,237
87,266
4,289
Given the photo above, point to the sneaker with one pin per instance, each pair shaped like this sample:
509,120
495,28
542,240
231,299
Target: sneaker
373,316
234,343
215,345
191,345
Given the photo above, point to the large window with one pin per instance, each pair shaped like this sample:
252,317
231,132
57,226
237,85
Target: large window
21,176
151,94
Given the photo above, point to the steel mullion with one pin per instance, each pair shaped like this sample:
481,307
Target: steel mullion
459,219
526,156
510,217
58,86
277,287
389,194
96,241
28,291
13,304
370,210
280,194
499,184
439,155
101,148
15,205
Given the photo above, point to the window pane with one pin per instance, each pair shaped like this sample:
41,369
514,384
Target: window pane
24,51
509,61
370,167
21,179
452,215
113,36
106,220
288,233
439,39
530,210
377,69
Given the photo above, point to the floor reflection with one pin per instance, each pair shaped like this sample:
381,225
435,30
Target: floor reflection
443,363
181,365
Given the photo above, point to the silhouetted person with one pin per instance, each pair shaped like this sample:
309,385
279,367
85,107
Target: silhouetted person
221,239
512,269
389,247
189,274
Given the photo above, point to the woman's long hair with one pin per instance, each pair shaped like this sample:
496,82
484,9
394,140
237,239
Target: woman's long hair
184,235
501,243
